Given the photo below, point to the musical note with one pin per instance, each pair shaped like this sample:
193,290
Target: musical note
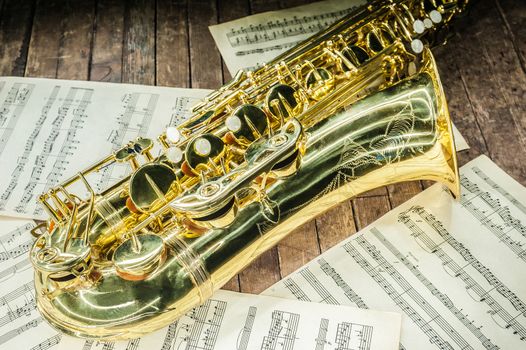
326,296
247,329
282,332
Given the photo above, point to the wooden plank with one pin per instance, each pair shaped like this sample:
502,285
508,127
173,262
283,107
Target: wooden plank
257,6
380,191
15,31
75,40
173,60
298,248
513,14
497,100
335,225
228,11
261,274
61,48
106,61
293,3
42,58
369,209
138,61
401,192
460,109
205,60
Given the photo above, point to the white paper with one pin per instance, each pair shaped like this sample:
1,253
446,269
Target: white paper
242,321
460,142
21,326
249,42
455,269
51,129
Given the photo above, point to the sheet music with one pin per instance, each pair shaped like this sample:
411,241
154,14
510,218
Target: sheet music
249,42
51,129
454,269
21,326
252,322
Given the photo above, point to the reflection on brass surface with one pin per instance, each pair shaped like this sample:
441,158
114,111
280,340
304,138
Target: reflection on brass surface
355,107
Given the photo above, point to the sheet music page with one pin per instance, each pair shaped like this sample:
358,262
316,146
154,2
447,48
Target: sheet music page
239,321
251,41
21,326
51,129
454,269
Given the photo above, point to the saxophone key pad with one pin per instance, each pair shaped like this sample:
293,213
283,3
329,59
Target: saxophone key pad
137,257
151,183
435,16
281,100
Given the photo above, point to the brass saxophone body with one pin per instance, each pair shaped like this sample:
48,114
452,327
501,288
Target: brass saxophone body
355,107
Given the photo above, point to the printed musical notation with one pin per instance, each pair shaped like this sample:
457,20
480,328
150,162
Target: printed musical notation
447,266
242,321
247,329
12,107
281,29
132,344
199,329
72,124
251,41
352,336
136,115
21,326
282,332
497,212
349,336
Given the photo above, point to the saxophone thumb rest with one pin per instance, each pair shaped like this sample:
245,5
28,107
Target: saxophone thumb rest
261,156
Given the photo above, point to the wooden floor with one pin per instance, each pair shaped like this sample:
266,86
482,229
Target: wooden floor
483,70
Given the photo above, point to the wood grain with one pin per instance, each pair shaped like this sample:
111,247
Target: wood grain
173,52
43,51
488,85
106,54
514,18
205,61
138,61
76,39
15,31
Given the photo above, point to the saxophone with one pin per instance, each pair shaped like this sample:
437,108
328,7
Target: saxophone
357,106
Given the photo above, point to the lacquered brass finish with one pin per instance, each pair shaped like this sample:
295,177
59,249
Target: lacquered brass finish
355,107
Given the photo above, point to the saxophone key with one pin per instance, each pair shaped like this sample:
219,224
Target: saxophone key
139,256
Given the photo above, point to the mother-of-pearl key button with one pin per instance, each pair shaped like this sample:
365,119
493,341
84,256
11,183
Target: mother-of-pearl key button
202,147
174,154
173,134
233,123
435,16
417,46
419,26
428,23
